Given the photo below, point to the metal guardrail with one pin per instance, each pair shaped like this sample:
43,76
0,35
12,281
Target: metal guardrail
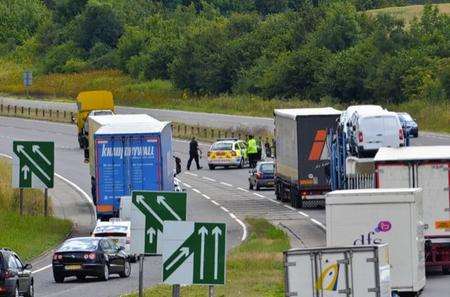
180,130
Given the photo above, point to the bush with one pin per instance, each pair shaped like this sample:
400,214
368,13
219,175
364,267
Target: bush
56,58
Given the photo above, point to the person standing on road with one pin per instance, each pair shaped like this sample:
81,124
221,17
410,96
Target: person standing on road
252,151
193,154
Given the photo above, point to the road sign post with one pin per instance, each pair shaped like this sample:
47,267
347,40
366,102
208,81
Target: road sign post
27,80
46,202
33,164
149,210
194,253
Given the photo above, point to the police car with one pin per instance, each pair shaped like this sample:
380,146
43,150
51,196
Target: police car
226,153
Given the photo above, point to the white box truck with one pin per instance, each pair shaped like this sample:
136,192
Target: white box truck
379,216
357,271
427,167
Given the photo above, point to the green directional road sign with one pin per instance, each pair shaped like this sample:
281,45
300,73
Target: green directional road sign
194,253
33,164
149,210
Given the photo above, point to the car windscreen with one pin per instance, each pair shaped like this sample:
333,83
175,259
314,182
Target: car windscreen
406,117
110,234
267,168
222,146
79,244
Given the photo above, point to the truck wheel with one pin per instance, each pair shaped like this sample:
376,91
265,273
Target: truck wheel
277,193
250,186
296,200
446,270
211,167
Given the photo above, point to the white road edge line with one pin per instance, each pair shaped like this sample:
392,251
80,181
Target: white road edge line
303,214
207,178
215,202
187,185
242,189
259,195
192,174
290,207
196,191
318,224
78,189
206,196
226,184
224,209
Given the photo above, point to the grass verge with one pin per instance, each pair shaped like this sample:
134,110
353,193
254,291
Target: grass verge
31,234
254,269
162,94
408,13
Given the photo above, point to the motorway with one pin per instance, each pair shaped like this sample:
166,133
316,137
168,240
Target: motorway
219,195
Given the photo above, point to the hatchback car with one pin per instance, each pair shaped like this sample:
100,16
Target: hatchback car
119,231
227,152
410,127
90,256
15,277
262,176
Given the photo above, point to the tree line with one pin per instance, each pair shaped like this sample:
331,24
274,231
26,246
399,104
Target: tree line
272,48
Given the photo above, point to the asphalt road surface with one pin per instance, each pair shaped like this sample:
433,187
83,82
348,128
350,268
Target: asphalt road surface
219,195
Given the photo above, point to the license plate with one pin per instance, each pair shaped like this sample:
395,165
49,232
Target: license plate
73,267
270,183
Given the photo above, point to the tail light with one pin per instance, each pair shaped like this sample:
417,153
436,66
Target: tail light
233,153
360,137
90,256
400,134
258,175
57,257
6,274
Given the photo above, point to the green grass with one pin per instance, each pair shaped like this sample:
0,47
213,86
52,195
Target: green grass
162,94
254,269
408,13
31,234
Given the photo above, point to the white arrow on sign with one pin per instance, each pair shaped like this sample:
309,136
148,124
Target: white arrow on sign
37,150
184,252
21,149
217,233
151,234
140,200
25,170
161,200
203,232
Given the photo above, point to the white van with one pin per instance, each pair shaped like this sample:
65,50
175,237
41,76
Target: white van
372,130
346,116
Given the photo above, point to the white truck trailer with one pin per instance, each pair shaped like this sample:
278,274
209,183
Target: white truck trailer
357,271
427,167
379,216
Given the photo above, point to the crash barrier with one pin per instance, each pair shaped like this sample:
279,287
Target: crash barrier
180,130
53,115
360,181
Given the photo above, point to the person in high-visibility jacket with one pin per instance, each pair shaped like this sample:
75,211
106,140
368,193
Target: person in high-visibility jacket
252,151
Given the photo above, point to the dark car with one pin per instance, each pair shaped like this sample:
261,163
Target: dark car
262,176
15,277
409,125
90,256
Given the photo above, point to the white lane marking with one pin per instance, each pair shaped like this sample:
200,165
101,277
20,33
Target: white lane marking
226,184
196,191
207,178
215,202
290,207
187,185
42,269
303,214
224,209
244,234
259,195
318,224
191,174
243,190
176,179
206,196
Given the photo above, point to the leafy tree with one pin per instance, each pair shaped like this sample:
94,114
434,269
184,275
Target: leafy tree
97,23
66,10
56,58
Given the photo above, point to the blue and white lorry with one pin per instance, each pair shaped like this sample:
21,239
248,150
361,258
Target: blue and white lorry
129,152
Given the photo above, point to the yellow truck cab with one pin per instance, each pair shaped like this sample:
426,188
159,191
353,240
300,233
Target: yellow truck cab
87,102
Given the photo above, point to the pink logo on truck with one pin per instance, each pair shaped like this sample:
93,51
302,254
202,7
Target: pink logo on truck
383,226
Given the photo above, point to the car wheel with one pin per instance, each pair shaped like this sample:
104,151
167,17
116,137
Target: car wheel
30,292
126,269
105,275
58,278
258,187
211,167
